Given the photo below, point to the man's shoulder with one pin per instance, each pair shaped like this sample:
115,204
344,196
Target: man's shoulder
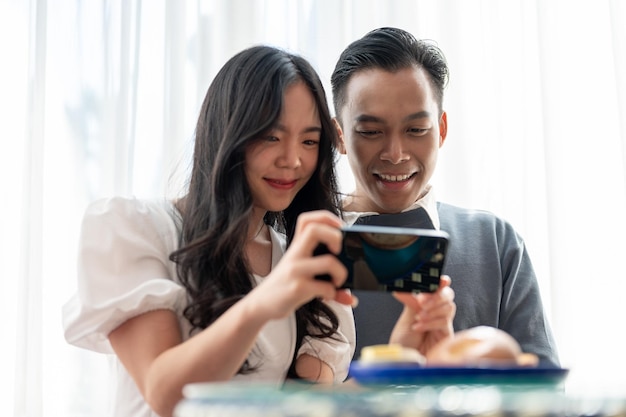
462,218
452,211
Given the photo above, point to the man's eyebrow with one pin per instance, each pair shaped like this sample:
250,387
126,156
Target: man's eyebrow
419,115
368,118
375,119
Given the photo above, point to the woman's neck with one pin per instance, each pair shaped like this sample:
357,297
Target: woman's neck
256,225
259,245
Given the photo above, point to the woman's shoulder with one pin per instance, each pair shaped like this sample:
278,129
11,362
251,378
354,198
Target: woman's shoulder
130,221
129,206
132,211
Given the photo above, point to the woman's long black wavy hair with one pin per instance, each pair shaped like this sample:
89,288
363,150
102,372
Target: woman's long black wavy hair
243,103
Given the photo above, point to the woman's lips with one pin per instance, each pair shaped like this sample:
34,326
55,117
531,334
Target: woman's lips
281,184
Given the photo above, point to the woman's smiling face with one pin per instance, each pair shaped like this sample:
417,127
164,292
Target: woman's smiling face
281,163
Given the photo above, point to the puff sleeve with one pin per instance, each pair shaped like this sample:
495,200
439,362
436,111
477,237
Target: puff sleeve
336,352
123,269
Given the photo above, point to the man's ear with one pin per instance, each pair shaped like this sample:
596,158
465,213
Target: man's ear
443,128
341,146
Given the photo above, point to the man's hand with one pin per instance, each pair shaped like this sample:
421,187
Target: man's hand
426,318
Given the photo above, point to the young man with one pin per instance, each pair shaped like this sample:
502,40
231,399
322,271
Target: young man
388,94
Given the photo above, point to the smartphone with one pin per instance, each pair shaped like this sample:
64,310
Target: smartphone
385,258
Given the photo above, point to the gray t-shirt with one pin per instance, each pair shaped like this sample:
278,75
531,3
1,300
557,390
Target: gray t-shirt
492,277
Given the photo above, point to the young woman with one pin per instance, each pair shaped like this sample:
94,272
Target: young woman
203,289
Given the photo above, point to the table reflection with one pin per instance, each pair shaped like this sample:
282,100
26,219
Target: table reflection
352,400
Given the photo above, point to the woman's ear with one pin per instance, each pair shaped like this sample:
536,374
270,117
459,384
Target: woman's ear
341,146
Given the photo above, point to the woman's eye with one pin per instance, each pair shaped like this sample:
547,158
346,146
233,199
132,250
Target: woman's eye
271,138
311,142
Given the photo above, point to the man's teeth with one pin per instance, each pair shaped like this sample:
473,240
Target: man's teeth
394,178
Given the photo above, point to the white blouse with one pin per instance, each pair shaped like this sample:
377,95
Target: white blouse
124,271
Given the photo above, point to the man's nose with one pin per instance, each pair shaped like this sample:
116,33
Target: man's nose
394,150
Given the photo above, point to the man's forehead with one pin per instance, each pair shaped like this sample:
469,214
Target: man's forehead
373,89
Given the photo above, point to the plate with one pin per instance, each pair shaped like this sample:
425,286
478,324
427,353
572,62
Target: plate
412,374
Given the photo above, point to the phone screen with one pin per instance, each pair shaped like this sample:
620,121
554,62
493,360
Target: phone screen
381,258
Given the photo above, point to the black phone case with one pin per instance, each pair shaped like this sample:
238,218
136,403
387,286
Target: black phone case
383,258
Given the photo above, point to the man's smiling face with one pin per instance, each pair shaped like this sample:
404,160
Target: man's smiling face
391,131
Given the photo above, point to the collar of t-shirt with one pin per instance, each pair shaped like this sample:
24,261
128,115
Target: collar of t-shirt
423,214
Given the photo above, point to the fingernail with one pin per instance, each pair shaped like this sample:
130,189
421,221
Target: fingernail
355,301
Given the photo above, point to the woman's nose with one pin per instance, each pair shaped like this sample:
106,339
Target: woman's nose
289,157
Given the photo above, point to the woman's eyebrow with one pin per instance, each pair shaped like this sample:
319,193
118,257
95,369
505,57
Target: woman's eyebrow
309,129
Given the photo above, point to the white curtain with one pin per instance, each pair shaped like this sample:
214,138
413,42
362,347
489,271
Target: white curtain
100,98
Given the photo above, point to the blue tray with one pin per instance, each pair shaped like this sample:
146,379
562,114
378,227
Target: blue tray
412,374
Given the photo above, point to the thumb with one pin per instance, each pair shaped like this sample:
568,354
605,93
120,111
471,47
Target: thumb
408,299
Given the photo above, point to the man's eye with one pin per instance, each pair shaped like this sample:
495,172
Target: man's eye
418,130
368,133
